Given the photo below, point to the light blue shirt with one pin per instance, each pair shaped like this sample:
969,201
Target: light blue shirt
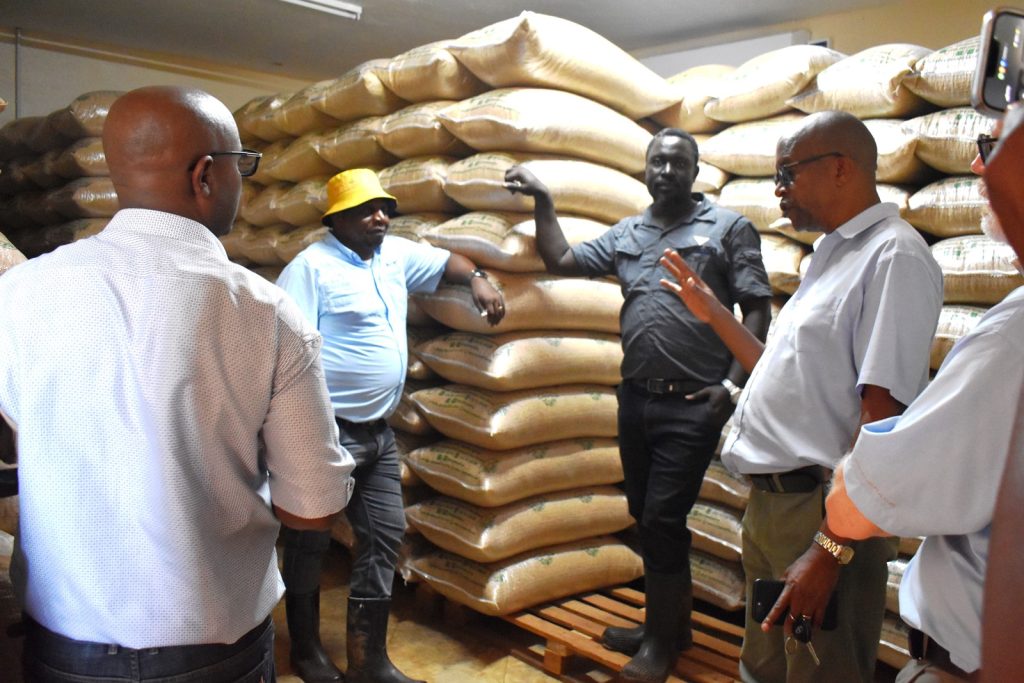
865,313
935,472
360,307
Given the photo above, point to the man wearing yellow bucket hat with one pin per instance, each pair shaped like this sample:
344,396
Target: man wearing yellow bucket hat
354,287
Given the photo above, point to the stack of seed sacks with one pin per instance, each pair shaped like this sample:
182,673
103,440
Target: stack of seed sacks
54,184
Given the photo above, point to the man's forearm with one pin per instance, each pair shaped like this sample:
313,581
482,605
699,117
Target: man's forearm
741,341
551,243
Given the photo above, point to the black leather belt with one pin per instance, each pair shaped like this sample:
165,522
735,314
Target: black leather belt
803,480
666,386
372,426
922,646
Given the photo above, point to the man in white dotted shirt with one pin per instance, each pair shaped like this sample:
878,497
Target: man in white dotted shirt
170,412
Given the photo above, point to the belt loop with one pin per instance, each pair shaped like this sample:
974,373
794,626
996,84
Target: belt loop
777,485
112,649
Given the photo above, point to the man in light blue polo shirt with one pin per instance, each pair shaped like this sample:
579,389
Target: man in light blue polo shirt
936,469
354,286
851,346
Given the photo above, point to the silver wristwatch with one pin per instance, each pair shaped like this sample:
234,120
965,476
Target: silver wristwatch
734,391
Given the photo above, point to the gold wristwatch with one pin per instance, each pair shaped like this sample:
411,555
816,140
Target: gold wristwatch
842,553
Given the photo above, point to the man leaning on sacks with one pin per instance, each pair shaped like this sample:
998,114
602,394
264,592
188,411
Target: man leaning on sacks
171,414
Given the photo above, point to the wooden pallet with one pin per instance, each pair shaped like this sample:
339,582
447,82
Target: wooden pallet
572,628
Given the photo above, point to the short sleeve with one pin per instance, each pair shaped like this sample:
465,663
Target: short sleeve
900,310
596,257
300,281
748,278
423,264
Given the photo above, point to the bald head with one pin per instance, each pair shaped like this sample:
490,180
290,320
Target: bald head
157,141
838,131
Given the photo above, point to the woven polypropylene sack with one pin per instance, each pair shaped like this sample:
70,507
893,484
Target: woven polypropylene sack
356,94
10,256
547,52
782,257
955,321
259,245
760,87
716,530
717,581
506,241
415,226
524,360
408,417
299,160
722,486
86,114
83,157
297,116
257,208
868,84
946,140
490,534
531,578
697,84
292,243
419,184
302,203
85,198
754,198
748,149
532,302
550,122
944,77
500,420
948,207
976,269
488,477
430,72
355,145
417,130
270,154
897,158
577,187
259,119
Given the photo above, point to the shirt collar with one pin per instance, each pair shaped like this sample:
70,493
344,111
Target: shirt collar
346,253
701,211
164,224
862,221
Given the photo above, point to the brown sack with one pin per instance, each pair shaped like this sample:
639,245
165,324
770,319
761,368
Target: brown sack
259,119
86,114
85,198
83,157
258,208
716,530
290,244
717,581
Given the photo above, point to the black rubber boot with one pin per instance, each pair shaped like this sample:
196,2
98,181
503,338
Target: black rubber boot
663,629
628,640
307,656
366,643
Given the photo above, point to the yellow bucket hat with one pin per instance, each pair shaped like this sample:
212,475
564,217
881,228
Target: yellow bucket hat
352,188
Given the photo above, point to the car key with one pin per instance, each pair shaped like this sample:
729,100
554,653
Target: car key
802,633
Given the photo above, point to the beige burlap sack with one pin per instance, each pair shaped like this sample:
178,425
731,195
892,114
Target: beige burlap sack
290,244
84,198
259,118
868,84
505,241
355,145
502,420
892,585
259,245
298,161
976,269
415,368
761,86
893,648
358,93
754,198
946,140
408,417
748,149
489,478
83,157
297,116
10,256
416,316
303,203
782,257
532,302
419,185
430,72
717,581
524,360
415,226
551,122
243,116
270,154
232,240
722,486
85,116
954,323
897,158
710,179
716,530
257,208
407,443
944,77
697,84
531,578
417,130
577,187
948,207
548,52
490,534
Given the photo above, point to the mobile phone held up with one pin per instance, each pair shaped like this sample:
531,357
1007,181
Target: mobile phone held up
999,78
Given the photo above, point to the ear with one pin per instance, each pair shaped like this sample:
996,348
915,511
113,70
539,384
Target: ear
200,177
846,170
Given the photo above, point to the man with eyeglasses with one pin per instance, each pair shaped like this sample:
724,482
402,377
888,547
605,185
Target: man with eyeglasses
170,413
850,347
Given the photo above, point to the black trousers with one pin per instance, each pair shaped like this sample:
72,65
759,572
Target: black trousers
666,443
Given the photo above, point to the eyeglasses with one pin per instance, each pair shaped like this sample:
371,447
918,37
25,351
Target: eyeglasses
784,173
986,143
248,161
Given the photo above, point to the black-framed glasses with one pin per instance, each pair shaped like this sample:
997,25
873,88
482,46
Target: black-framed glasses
248,160
986,143
784,173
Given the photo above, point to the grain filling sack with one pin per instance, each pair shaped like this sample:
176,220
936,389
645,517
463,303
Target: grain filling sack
299,160
547,52
748,149
954,323
946,140
417,131
430,72
577,187
302,203
524,360
257,208
502,420
355,145
782,258
754,198
717,581
949,207
532,302
258,119
415,226
531,578
944,77
760,87
270,154
358,93
9,255
85,116
868,84
551,122
698,85
722,486
716,530
419,184
490,478
85,198
976,269
84,157
297,115
495,533
290,244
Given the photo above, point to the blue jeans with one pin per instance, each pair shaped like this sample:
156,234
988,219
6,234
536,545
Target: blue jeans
49,657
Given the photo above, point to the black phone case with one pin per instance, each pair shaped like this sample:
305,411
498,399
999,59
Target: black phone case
766,593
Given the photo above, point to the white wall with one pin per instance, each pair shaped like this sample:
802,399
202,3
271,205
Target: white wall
673,60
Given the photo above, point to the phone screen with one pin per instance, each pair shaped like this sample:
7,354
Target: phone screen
1003,76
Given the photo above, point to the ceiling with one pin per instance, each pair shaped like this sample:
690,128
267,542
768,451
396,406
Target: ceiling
288,40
